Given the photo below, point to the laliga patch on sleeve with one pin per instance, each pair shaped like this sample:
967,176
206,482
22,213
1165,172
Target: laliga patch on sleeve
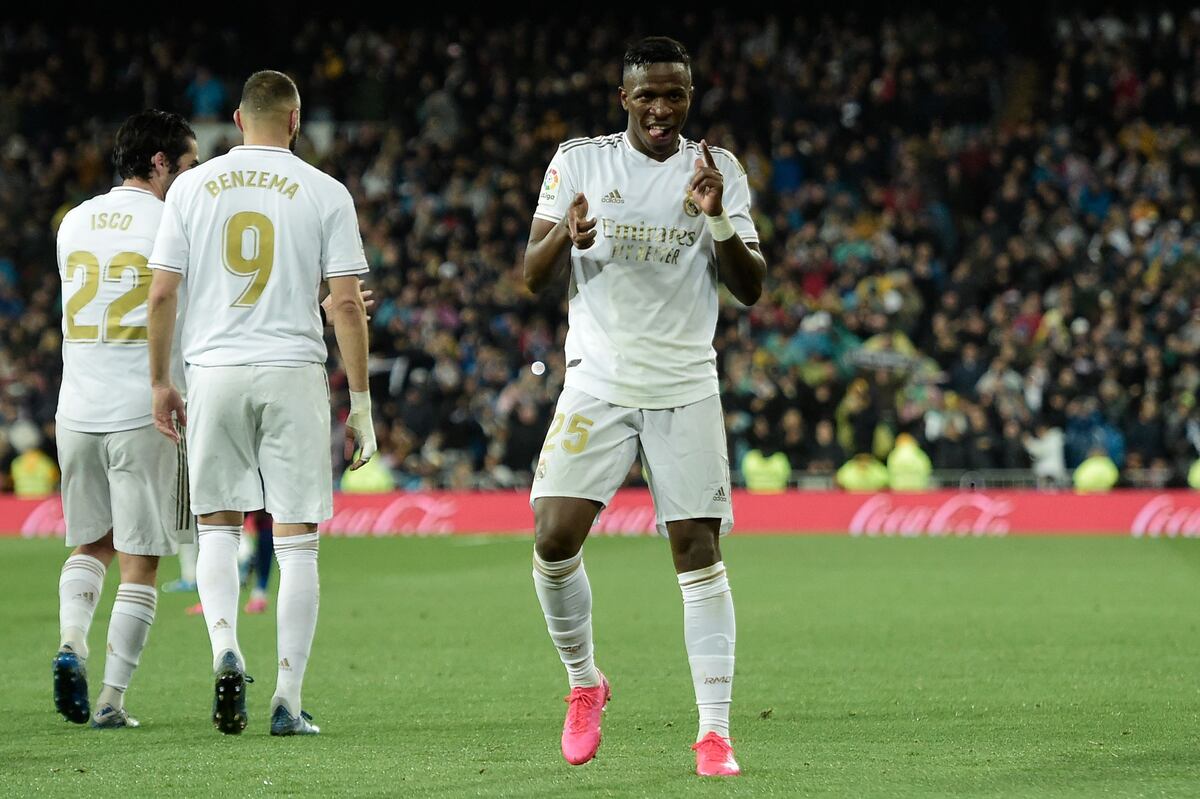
550,185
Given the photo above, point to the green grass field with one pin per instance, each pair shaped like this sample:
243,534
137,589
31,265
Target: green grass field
1011,667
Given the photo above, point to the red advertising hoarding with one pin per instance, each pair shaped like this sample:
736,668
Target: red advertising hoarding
940,513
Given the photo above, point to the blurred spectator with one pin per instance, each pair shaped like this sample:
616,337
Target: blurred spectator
34,473
908,466
1046,449
863,472
826,453
1097,472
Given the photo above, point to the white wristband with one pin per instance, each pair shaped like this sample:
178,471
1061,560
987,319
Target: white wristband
360,401
720,227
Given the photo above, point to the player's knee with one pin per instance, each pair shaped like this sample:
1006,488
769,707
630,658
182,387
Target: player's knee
553,545
554,538
695,548
560,528
101,550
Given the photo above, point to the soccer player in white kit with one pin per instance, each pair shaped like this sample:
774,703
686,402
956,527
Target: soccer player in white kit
120,479
252,235
671,220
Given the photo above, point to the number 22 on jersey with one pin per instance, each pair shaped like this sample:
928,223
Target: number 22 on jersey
113,272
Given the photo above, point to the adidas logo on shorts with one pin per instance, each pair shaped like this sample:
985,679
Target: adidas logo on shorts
720,496
613,196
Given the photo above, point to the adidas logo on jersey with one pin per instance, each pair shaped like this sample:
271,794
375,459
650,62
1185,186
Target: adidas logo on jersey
720,496
613,196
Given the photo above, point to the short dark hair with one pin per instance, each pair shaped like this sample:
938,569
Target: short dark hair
144,135
655,50
269,92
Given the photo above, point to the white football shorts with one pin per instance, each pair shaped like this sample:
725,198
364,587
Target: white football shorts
259,436
129,482
592,444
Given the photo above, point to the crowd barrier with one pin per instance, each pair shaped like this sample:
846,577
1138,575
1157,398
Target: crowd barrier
1134,513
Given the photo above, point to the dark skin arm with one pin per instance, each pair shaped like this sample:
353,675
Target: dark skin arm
549,250
741,266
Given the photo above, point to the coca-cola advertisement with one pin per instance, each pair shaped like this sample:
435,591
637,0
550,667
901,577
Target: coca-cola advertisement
1141,514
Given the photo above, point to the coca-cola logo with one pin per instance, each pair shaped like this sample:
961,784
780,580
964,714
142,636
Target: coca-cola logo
407,514
1159,517
965,515
45,520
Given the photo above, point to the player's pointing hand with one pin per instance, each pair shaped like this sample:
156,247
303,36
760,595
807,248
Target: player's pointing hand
708,184
582,229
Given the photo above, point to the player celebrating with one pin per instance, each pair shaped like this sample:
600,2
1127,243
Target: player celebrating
672,217
252,235
119,477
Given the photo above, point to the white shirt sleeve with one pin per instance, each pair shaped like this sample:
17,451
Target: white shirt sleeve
341,243
556,192
171,247
737,201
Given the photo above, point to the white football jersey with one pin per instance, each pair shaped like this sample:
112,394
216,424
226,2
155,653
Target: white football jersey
254,233
103,253
642,307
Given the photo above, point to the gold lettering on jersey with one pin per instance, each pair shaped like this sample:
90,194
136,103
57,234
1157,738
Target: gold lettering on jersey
646,253
660,234
253,179
112,221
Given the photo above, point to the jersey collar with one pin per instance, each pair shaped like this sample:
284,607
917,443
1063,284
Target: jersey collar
133,188
266,147
646,160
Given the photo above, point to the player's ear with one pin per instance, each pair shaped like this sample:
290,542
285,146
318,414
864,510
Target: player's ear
293,121
237,119
160,161
624,97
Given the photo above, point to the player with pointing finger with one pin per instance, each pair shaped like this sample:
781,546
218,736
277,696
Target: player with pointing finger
646,224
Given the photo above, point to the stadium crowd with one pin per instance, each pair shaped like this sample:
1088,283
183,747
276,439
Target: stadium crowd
993,251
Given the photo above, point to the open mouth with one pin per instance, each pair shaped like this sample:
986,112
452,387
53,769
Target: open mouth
660,133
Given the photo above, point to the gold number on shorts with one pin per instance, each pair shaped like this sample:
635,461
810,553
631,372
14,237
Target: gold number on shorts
249,249
87,292
114,331
577,427
555,428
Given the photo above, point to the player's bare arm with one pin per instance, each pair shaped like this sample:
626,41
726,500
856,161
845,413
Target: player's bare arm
167,404
741,266
368,296
549,250
349,314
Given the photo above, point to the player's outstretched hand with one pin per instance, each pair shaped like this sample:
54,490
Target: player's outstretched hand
368,296
708,184
583,230
167,404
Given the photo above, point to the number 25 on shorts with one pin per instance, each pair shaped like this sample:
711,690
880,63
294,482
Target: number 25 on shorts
577,427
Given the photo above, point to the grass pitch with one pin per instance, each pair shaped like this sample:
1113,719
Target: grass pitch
1012,667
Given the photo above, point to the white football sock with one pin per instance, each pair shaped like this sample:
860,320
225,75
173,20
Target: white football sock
566,597
79,589
296,616
709,632
217,582
187,562
132,615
